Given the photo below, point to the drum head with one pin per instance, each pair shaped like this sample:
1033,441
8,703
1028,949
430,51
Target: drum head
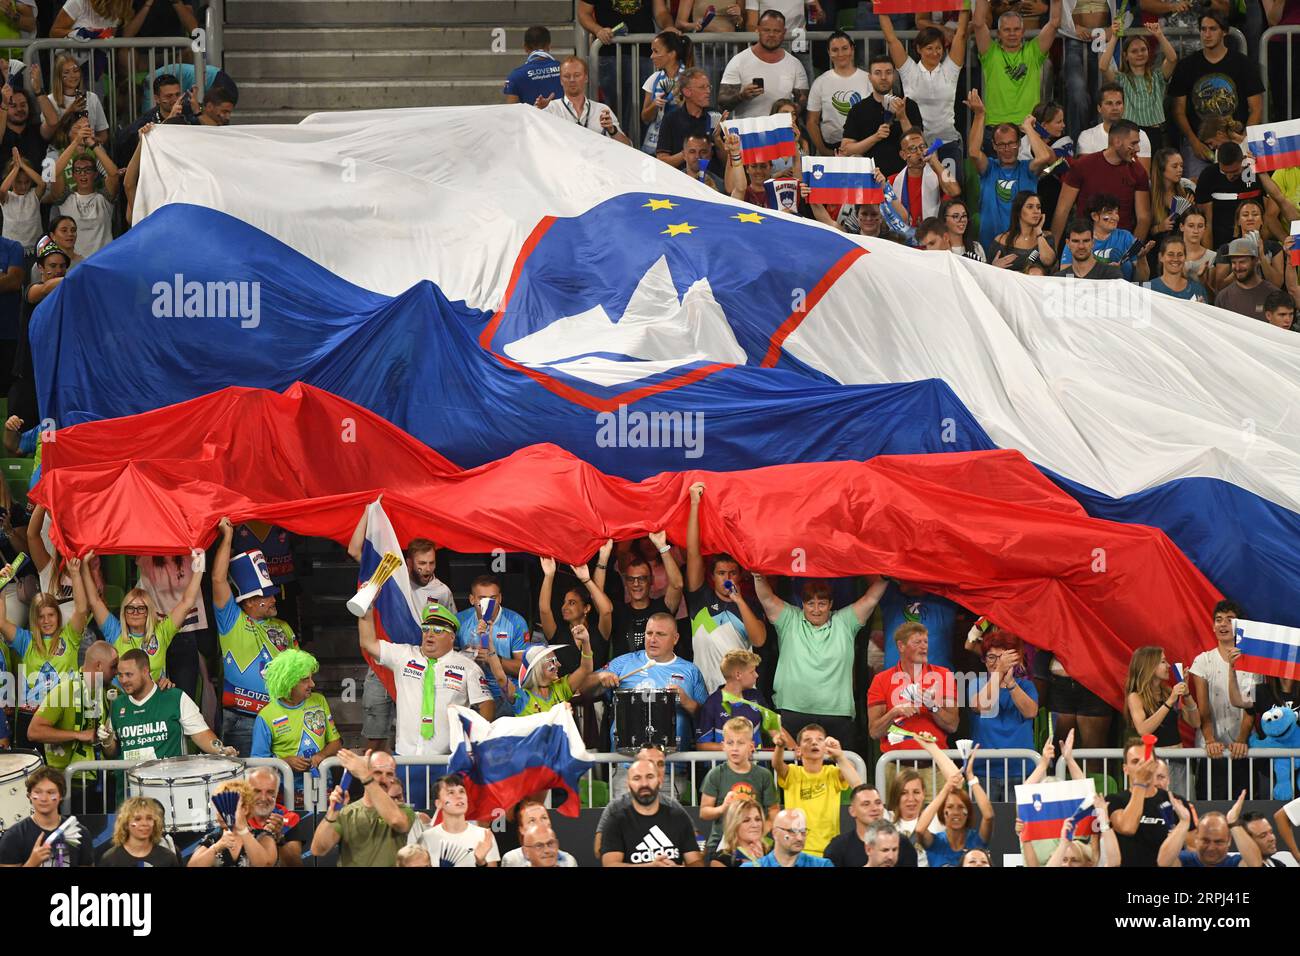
197,767
18,763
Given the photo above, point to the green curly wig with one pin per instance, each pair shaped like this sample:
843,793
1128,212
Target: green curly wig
286,670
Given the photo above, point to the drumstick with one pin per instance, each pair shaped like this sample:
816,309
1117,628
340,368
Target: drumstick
644,667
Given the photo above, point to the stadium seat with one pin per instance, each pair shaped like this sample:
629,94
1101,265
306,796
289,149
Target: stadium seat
17,473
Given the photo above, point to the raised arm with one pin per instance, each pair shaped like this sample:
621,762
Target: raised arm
1173,844
779,766
1126,821
36,540
366,637
694,559
545,613
980,26
673,595
922,831
359,534
326,836
190,597
772,605
1043,154
755,630
941,760
80,605
864,606
602,564
1167,48
604,607
7,627
221,593
97,606
1047,34
1245,843
957,53
846,766
897,52
975,141
976,790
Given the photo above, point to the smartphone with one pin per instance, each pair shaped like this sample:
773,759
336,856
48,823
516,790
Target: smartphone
757,81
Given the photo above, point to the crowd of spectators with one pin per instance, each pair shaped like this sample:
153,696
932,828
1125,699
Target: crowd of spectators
1139,175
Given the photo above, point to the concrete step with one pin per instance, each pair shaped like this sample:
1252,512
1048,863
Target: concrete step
285,39
311,96
392,12
398,65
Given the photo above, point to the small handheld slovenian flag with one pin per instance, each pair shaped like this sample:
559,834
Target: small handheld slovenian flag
1295,243
764,138
841,179
1274,145
1268,649
1044,807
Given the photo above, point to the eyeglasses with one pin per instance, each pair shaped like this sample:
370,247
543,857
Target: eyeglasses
918,148
135,608
638,579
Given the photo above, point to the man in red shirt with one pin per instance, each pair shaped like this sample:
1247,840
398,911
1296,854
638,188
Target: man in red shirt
1115,171
917,696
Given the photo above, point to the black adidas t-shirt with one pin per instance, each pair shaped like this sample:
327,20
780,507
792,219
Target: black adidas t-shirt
640,838
627,635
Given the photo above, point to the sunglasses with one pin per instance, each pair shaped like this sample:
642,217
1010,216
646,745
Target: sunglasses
437,629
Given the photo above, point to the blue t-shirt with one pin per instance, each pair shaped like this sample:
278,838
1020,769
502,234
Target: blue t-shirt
11,303
803,859
1189,858
941,854
1111,249
936,613
1007,730
712,715
1195,292
677,671
184,72
998,187
509,635
538,76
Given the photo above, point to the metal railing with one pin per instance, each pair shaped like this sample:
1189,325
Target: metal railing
105,768
986,759
1199,768
1289,35
121,95
214,24
712,51
691,759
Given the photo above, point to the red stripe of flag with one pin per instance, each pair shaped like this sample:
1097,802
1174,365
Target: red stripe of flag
856,196
1289,669
1268,162
761,154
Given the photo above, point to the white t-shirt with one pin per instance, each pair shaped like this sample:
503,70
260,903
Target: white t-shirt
833,96
22,218
94,216
934,93
516,858
435,590
658,84
460,681
454,849
94,110
1095,139
1068,28
1213,669
792,10
589,116
780,80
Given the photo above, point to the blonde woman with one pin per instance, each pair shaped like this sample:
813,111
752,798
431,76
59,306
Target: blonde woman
68,93
241,846
138,836
1200,257
1077,853
1151,706
138,625
46,649
1249,224
742,834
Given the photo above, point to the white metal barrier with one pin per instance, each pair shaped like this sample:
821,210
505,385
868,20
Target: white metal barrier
105,768
1199,768
1288,37
985,759
685,765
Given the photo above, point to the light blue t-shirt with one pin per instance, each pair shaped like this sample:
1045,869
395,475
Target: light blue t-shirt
936,613
1195,292
803,859
941,854
677,671
509,635
998,187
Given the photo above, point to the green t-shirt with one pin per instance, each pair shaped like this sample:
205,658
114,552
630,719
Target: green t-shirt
528,702
757,783
155,643
67,706
366,839
814,671
148,731
301,731
1012,82
39,672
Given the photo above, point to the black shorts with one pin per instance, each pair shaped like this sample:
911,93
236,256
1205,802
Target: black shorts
1067,696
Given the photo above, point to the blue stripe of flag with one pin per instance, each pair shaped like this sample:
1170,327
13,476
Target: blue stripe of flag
392,611
1271,650
1052,810
830,180
770,137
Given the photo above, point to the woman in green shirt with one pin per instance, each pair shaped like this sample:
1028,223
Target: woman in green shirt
1144,86
46,649
139,624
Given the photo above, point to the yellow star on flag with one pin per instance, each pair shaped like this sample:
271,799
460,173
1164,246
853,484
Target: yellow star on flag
749,217
678,229
659,204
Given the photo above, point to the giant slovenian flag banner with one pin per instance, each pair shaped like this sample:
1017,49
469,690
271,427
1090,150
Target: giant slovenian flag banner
534,365
1046,806
505,760
1274,145
395,615
764,138
841,179
1268,649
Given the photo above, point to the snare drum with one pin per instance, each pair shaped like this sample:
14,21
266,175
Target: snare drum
15,767
645,717
185,787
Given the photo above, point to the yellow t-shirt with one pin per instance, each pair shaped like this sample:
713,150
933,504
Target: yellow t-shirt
819,797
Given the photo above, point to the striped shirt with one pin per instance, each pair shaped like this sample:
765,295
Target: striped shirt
1144,97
